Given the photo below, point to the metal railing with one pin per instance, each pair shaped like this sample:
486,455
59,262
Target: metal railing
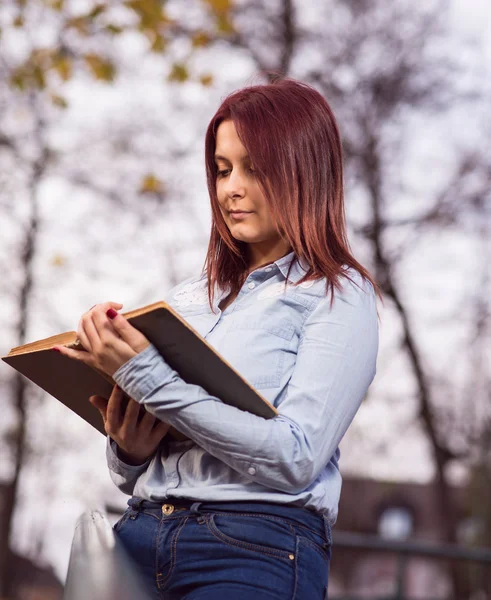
405,550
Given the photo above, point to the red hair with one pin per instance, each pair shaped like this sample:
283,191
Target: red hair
293,141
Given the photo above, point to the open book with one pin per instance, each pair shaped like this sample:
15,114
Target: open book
184,349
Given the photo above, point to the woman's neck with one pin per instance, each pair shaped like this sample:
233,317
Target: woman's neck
260,258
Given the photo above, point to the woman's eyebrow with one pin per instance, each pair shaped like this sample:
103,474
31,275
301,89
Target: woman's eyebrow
220,157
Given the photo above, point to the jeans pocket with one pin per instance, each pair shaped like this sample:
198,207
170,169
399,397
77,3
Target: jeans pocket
324,550
316,541
257,533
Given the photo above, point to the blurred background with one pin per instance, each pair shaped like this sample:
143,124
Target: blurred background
103,110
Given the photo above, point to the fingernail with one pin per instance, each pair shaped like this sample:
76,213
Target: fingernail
56,350
111,313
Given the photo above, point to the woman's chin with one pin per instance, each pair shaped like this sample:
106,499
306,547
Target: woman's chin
247,239
242,234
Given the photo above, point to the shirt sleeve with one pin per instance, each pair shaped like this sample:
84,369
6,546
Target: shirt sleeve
336,362
124,476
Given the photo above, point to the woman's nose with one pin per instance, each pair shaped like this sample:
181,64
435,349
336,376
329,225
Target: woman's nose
235,185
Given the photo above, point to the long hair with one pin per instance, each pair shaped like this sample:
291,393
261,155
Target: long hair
293,141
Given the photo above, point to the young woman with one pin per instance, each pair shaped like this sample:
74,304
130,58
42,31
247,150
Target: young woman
243,508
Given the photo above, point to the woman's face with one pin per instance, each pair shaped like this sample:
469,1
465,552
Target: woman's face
242,202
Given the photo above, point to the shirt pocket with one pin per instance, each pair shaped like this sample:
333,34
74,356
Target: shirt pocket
258,349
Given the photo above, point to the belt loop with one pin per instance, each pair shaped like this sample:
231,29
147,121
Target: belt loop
136,505
327,529
195,506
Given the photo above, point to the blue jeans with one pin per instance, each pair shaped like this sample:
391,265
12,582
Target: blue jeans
228,550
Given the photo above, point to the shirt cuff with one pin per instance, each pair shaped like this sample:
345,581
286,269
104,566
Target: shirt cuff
141,374
119,467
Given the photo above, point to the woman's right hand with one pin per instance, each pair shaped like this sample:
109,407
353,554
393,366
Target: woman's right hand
137,437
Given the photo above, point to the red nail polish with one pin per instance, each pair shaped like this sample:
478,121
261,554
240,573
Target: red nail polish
111,313
56,350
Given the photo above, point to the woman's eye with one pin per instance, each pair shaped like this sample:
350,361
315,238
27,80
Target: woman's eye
222,172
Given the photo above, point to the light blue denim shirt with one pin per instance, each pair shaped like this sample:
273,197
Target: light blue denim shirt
312,361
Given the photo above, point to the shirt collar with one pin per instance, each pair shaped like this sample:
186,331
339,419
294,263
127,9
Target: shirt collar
298,270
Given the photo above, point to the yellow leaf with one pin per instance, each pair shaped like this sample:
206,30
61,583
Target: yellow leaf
201,39
18,79
151,184
96,11
179,73
150,12
42,57
115,29
28,76
80,24
38,78
100,68
56,4
59,101
224,25
64,66
32,73
58,260
159,44
220,6
206,79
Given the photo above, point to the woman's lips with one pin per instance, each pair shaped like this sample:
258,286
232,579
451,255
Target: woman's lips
240,215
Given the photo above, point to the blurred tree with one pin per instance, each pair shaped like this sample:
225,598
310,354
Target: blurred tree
383,67
45,45
61,37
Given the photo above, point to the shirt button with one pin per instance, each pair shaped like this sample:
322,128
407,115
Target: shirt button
251,285
251,471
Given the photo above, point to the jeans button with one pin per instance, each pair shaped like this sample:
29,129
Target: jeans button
167,509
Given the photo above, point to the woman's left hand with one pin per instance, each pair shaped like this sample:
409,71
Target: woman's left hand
109,340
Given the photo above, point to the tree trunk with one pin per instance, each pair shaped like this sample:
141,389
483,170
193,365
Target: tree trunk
443,493
19,396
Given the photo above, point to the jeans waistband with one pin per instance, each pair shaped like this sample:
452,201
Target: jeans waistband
302,516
